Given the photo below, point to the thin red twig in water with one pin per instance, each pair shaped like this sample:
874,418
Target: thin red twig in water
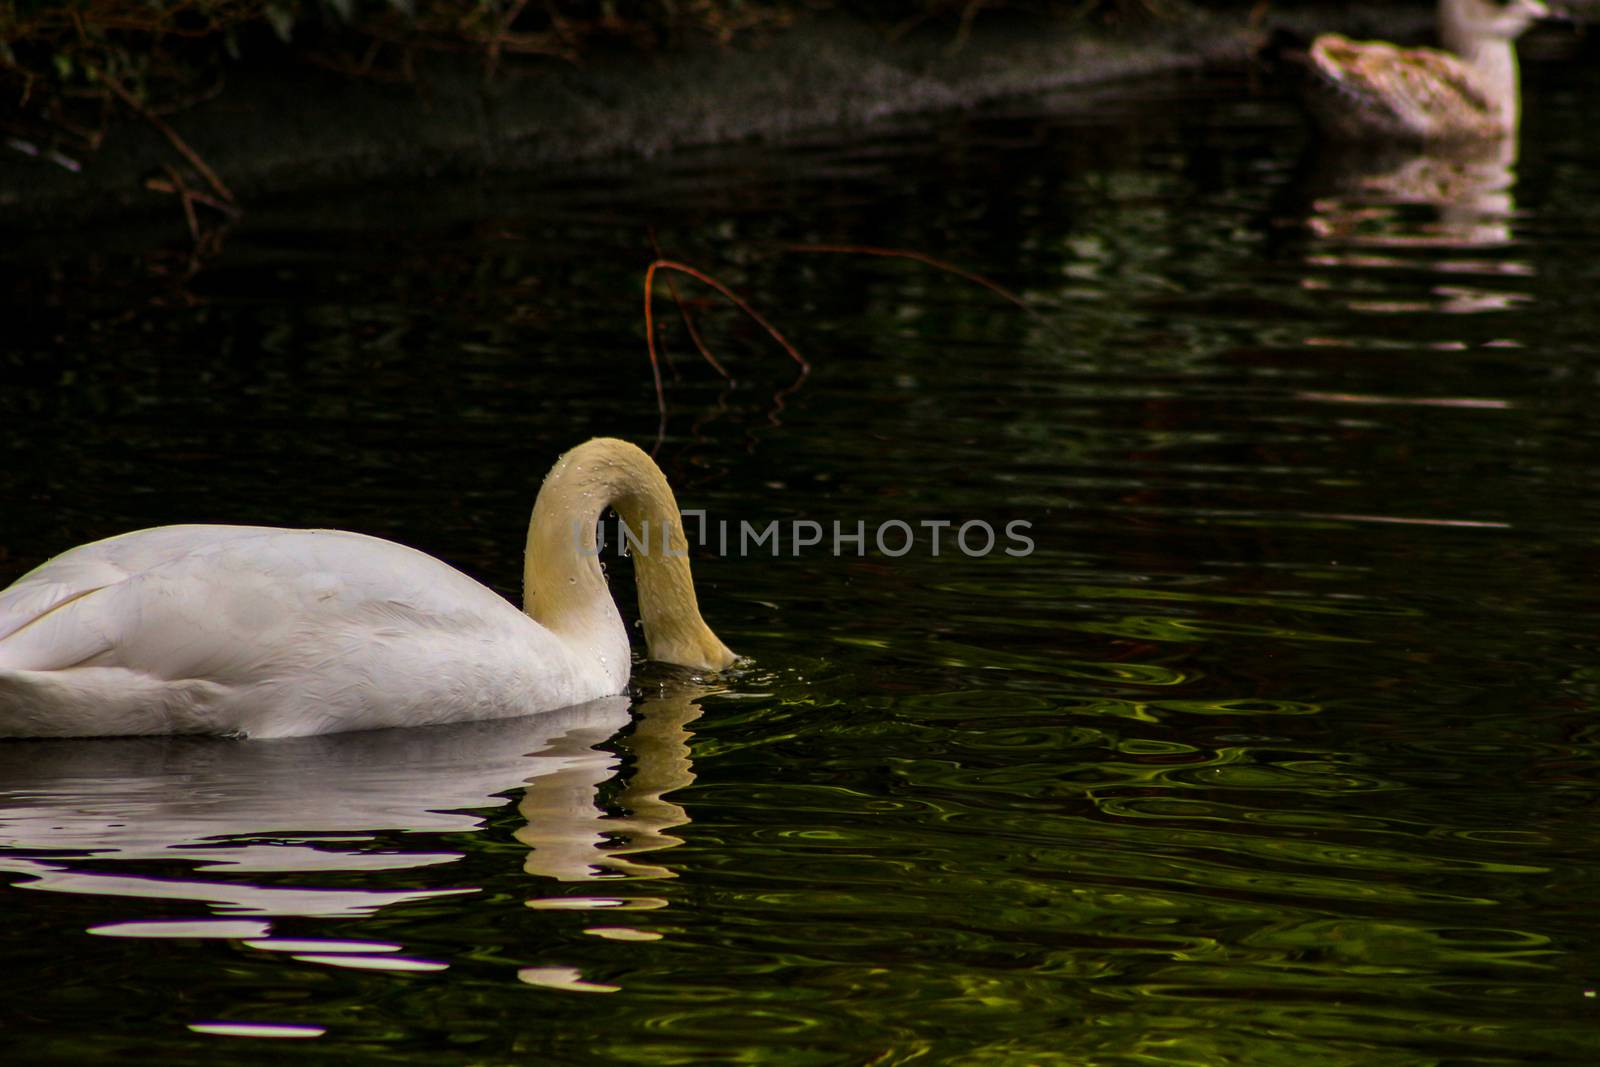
688,320
740,303
694,334
737,300
902,253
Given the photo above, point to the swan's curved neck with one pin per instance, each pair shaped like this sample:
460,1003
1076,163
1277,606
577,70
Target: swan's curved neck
564,589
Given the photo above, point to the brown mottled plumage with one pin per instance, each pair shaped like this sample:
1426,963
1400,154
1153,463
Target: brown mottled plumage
1370,90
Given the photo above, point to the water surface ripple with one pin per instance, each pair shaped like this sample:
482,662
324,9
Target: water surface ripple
1279,747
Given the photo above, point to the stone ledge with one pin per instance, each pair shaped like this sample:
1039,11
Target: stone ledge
277,130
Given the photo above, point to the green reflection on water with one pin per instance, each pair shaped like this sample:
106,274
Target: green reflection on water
1254,760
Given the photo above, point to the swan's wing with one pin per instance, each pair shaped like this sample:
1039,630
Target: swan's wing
87,568
1405,90
230,603
33,597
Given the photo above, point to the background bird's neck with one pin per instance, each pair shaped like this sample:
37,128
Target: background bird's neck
1494,61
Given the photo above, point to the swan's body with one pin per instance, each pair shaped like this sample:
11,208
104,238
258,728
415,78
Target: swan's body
265,632
1370,90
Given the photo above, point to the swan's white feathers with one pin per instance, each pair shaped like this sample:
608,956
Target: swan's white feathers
268,632
30,599
279,633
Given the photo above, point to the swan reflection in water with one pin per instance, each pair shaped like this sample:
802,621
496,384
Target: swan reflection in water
1445,209
85,817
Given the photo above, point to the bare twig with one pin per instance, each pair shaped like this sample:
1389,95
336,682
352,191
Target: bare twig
162,185
188,202
688,320
168,132
738,301
499,36
920,257
969,11
694,334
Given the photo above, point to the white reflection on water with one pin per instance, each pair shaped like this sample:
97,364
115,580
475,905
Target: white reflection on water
1444,209
85,816
271,1030
567,979
1357,191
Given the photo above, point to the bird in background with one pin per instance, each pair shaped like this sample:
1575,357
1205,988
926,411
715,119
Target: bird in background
1468,89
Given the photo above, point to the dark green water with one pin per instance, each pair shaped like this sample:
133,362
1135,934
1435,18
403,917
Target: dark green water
1279,748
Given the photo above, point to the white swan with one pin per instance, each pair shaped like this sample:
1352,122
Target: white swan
263,632
1370,90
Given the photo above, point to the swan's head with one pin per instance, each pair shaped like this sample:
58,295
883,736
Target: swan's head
1503,20
695,647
